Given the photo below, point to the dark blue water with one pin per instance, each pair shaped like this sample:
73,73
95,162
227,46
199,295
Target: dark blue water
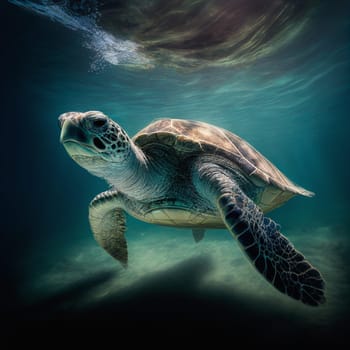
290,101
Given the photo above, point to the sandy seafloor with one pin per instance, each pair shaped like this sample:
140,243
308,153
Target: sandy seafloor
173,282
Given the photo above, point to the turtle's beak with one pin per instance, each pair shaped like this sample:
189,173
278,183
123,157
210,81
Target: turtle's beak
74,137
74,140
71,131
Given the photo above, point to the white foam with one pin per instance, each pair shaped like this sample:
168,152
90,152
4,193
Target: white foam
114,50
107,48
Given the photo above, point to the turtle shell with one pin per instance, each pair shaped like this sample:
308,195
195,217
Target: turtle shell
194,137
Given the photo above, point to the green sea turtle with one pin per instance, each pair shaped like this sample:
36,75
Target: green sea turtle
190,174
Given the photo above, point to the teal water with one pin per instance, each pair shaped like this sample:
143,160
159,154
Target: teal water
291,104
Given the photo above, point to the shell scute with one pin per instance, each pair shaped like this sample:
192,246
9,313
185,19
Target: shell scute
186,136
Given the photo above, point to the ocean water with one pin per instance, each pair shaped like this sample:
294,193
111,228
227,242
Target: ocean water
281,82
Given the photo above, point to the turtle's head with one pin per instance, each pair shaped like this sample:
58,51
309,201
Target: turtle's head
94,141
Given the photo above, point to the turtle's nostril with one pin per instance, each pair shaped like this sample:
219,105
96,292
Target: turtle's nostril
73,116
61,120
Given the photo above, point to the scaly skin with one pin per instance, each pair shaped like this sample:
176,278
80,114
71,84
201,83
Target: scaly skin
259,237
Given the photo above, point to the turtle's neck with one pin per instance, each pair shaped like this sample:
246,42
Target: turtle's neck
135,177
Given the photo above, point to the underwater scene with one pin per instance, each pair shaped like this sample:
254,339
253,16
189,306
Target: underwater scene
276,73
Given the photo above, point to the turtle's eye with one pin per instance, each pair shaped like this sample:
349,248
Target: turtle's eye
98,123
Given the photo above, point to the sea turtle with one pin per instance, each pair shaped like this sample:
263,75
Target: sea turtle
195,175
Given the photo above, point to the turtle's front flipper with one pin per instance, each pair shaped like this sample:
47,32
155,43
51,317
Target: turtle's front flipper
107,221
271,253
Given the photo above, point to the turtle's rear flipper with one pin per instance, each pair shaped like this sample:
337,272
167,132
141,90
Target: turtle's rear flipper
271,253
198,234
107,222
